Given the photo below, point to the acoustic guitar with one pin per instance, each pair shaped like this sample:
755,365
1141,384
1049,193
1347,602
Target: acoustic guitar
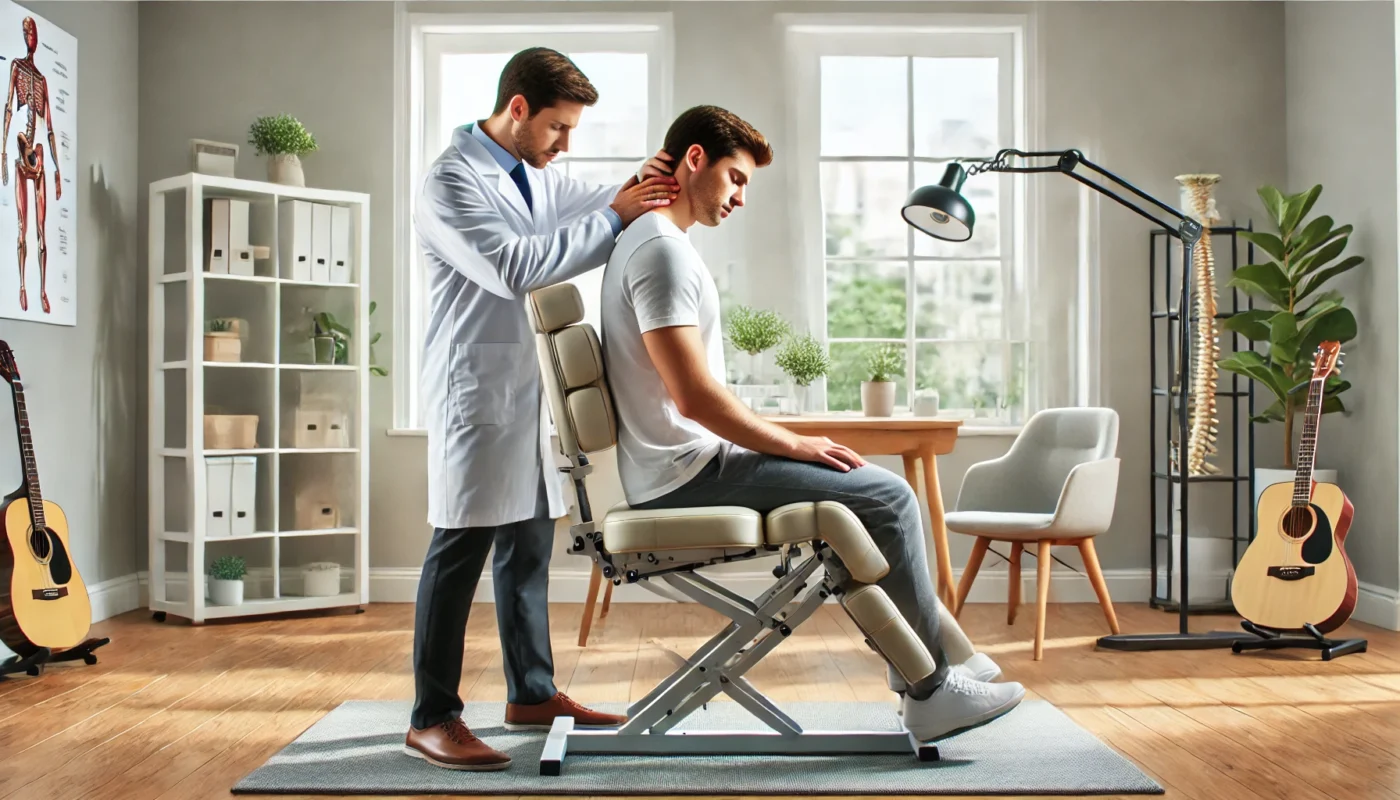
43,601
1295,571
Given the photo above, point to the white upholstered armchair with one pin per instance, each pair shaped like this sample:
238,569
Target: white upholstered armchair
1055,486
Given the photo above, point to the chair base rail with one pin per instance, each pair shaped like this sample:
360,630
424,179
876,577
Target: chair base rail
565,740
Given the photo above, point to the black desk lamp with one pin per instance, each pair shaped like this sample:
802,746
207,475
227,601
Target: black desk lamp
943,213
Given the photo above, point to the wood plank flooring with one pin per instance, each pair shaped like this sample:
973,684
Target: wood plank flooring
175,711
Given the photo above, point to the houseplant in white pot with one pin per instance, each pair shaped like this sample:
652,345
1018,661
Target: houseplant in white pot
284,140
1299,314
877,394
804,359
226,580
752,332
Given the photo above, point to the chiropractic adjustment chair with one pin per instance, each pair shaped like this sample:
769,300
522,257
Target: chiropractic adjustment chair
662,551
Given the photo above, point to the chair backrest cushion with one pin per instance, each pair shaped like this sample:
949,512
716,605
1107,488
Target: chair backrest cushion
1052,443
571,365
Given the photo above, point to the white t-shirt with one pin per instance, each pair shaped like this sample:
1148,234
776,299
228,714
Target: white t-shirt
656,279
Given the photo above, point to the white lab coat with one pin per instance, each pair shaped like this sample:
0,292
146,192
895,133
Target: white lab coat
484,251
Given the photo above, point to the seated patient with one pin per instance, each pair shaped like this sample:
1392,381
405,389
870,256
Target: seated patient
684,440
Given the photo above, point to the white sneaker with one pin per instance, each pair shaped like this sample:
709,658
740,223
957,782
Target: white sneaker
980,667
959,705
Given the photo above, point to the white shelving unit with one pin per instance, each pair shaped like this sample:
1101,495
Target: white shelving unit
276,373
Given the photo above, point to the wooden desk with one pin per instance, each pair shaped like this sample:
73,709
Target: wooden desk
916,439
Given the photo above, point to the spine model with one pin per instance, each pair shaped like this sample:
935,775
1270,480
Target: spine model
1197,191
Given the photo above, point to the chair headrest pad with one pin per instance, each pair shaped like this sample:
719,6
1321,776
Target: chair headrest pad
557,306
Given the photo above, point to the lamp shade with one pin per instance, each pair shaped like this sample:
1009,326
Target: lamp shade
939,210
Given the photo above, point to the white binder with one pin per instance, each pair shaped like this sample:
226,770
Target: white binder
243,495
216,230
217,485
341,269
294,239
240,253
320,242
240,261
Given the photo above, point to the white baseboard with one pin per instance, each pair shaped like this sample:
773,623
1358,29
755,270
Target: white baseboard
1377,605
116,596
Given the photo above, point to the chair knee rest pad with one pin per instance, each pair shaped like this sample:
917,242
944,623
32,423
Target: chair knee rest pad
875,614
834,524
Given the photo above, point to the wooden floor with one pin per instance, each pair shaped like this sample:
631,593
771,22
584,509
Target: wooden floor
173,711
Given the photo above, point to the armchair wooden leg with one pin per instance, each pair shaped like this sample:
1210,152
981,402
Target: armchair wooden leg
593,581
1013,589
974,563
1091,565
1042,587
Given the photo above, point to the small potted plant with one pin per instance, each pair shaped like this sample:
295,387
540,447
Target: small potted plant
284,140
753,332
222,341
226,580
804,359
877,394
330,339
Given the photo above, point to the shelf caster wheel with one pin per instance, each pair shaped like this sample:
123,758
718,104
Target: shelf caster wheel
159,616
359,609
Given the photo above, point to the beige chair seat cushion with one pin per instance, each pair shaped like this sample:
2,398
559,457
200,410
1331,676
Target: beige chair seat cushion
999,524
628,530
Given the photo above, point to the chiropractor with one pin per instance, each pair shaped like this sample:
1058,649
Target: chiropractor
494,224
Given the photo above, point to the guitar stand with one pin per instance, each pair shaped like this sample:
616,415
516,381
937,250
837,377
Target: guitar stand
1270,640
35,663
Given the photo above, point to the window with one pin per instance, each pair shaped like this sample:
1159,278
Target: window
889,107
455,64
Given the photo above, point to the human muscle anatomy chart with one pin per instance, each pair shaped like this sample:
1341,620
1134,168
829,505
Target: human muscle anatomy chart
37,149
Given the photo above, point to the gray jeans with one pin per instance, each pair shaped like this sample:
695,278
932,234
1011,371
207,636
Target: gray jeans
883,501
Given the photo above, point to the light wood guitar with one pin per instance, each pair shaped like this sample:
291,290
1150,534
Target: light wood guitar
43,601
1295,571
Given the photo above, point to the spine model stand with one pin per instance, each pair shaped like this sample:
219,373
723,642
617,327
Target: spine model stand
1197,191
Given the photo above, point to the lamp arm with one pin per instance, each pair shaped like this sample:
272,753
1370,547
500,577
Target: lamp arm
1185,228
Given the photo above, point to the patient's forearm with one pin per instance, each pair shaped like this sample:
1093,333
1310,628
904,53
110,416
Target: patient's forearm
725,416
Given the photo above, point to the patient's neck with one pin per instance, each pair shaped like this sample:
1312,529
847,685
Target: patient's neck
679,212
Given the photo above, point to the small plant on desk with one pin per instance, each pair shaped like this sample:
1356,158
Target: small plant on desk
804,359
877,394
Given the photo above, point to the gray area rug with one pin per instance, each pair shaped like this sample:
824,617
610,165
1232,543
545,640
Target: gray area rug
358,749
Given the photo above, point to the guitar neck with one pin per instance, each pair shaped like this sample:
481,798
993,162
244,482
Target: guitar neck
26,451
1307,447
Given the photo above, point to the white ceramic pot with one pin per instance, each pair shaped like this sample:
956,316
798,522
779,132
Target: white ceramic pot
926,403
285,168
226,593
1266,477
321,579
877,398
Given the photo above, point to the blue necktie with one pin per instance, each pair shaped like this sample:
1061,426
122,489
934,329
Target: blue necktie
518,175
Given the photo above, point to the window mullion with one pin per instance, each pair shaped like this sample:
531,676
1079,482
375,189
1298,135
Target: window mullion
911,285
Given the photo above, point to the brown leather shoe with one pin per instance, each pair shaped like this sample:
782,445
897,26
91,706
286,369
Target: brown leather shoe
451,745
540,717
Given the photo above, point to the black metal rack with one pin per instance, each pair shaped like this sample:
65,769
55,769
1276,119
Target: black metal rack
1164,478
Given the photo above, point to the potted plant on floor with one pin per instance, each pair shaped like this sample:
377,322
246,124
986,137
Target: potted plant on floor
804,359
226,580
877,394
284,140
1299,314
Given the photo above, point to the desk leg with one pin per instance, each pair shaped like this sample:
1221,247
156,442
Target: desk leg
940,533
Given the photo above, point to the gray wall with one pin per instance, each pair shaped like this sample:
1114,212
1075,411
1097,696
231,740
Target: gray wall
1114,78
80,382
1341,134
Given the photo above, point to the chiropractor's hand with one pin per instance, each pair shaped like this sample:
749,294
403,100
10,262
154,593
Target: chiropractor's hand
824,451
635,199
657,165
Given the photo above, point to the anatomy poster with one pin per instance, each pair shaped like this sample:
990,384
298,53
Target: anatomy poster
38,169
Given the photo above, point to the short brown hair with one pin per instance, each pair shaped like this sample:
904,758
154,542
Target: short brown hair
544,77
719,132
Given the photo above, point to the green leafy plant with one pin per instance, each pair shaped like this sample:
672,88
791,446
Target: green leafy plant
804,359
228,568
374,368
1301,314
280,134
753,331
220,325
325,324
884,362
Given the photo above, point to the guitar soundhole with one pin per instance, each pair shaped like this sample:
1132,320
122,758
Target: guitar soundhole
1298,522
40,545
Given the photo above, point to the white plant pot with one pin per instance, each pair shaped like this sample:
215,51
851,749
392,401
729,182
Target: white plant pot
1263,478
321,579
226,593
877,398
926,403
285,168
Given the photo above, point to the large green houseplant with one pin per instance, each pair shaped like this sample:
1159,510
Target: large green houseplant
1299,313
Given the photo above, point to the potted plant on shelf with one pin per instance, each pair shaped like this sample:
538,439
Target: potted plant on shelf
752,332
330,339
284,140
1299,315
222,341
877,394
804,359
226,580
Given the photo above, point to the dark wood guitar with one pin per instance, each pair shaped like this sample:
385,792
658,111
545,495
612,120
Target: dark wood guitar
1295,572
43,601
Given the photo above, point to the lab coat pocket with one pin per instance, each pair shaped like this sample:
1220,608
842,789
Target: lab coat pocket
483,382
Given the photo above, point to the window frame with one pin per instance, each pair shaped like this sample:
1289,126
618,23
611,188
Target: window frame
422,39
807,38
